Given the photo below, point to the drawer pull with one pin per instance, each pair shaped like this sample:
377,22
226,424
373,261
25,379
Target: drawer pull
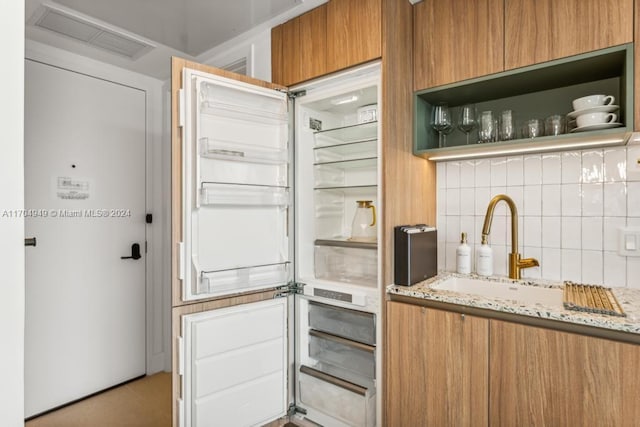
343,341
338,382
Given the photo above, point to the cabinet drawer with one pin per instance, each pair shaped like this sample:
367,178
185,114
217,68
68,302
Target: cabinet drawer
339,352
351,265
350,403
342,322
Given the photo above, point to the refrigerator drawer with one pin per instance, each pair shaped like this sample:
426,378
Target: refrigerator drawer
352,404
343,322
351,265
342,353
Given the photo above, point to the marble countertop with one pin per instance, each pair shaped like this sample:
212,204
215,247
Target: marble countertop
628,298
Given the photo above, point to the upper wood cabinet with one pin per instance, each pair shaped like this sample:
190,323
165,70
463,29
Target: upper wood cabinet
354,32
545,377
456,40
542,30
437,367
331,37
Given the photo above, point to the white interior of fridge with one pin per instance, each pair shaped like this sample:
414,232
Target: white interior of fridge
236,196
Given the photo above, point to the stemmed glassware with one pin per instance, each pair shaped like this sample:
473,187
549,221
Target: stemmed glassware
442,123
467,121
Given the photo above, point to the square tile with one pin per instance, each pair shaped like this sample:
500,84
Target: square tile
633,162
479,222
498,234
441,227
441,200
467,201
551,200
571,231
467,174
592,199
571,265
450,257
592,166
633,199
483,196
571,200
515,170
615,164
441,174
533,272
551,264
571,167
453,201
517,195
615,269
551,168
532,169
533,231
551,235
442,255
532,200
610,232
453,175
633,272
500,260
483,173
592,269
615,199
499,172
592,233
453,229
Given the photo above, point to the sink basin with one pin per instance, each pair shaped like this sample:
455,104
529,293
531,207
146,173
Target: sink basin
502,290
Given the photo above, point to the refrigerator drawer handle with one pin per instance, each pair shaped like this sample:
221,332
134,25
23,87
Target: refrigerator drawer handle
338,382
343,341
30,241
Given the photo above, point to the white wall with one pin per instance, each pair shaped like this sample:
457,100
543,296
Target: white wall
158,190
570,205
12,229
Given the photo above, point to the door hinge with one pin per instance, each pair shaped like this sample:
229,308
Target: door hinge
290,288
180,356
181,109
181,260
295,409
297,94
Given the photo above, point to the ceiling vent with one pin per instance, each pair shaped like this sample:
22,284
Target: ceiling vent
79,27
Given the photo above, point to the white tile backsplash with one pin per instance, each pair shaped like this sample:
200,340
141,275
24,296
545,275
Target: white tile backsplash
570,206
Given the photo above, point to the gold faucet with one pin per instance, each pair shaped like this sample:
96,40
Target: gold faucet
515,262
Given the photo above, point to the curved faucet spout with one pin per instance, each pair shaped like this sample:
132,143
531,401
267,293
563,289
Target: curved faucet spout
515,262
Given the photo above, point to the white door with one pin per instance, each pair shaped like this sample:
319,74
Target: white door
85,187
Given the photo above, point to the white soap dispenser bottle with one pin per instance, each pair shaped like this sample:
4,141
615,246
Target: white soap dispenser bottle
463,256
484,265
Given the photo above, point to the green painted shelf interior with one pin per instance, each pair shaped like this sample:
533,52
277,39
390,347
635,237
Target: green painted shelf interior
536,91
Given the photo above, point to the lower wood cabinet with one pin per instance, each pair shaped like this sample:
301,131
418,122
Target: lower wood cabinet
446,369
437,367
541,377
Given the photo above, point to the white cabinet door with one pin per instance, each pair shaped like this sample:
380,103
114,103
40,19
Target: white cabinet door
236,196
235,365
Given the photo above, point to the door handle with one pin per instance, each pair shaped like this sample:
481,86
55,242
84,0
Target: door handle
30,241
135,252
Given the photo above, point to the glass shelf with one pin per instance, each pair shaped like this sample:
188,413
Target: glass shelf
350,164
243,195
351,190
349,151
347,242
227,150
347,135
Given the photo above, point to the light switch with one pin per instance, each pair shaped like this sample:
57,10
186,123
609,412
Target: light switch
629,241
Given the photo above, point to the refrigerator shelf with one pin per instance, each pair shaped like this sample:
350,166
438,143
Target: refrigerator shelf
243,278
219,109
228,150
243,195
348,151
347,242
370,162
351,190
347,134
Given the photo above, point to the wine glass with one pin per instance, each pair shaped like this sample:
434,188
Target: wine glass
442,123
467,121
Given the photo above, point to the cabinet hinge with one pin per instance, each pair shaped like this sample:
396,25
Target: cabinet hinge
180,356
297,94
181,260
290,288
295,409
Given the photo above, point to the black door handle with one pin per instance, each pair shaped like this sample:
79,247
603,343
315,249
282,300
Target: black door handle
30,241
135,252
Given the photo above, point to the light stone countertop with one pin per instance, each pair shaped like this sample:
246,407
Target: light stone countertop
629,300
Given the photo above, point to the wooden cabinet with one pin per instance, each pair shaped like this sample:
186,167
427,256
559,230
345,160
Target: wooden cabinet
354,32
437,367
541,30
545,377
331,37
456,40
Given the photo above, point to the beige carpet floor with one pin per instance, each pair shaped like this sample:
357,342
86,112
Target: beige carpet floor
142,403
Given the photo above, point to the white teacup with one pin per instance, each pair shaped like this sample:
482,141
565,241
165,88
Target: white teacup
592,101
595,119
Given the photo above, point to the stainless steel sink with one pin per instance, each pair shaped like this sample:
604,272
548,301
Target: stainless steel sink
502,290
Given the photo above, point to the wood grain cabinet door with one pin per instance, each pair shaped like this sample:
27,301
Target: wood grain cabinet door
541,377
541,30
457,40
354,32
437,367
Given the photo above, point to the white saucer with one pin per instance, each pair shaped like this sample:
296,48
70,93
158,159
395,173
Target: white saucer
598,109
596,127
